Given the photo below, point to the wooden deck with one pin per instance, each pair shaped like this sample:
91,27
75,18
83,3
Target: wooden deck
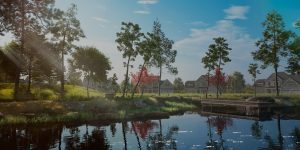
238,103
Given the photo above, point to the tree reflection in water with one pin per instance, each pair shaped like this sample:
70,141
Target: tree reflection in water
271,143
96,140
143,127
29,137
158,141
296,137
113,129
220,123
256,130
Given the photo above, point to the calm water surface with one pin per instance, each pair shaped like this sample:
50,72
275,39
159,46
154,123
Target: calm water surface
188,131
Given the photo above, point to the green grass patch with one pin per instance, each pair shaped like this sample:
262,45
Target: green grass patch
74,92
6,94
48,93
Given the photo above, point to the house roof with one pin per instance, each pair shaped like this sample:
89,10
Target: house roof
202,77
166,82
296,77
187,82
282,75
260,81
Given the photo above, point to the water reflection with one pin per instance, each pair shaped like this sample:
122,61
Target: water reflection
220,123
188,131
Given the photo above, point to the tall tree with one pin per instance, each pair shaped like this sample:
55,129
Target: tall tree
274,43
209,63
128,40
219,55
145,49
237,82
92,63
21,17
178,85
163,55
65,29
253,71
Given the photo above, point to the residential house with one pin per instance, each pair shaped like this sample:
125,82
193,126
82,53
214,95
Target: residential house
152,87
286,83
270,83
199,85
260,85
291,85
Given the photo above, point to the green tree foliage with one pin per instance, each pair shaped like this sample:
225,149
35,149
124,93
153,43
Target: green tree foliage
45,63
253,72
92,63
10,60
274,43
65,29
209,63
22,18
145,49
128,40
74,74
164,55
113,83
178,85
294,57
218,54
237,82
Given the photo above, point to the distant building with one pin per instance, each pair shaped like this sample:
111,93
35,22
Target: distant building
152,87
286,83
199,86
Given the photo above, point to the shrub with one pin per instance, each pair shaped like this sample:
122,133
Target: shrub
47,94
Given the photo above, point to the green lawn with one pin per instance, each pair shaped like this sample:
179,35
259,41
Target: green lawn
72,92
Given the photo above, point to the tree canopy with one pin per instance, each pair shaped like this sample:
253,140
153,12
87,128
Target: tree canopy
93,64
274,43
128,40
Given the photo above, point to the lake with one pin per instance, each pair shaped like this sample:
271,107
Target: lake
191,130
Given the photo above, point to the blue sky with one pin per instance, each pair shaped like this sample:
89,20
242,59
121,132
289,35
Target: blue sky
190,23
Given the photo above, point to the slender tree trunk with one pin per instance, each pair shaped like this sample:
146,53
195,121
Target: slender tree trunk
280,138
159,81
18,70
218,76
254,88
207,84
139,79
29,75
17,84
126,77
87,86
60,137
276,80
136,135
124,135
160,127
209,130
62,75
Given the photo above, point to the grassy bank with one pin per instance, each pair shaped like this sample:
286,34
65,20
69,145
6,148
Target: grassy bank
32,112
46,106
72,92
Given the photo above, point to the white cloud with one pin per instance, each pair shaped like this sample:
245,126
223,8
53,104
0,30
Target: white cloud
192,48
236,12
143,12
147,2
100,19
198,23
